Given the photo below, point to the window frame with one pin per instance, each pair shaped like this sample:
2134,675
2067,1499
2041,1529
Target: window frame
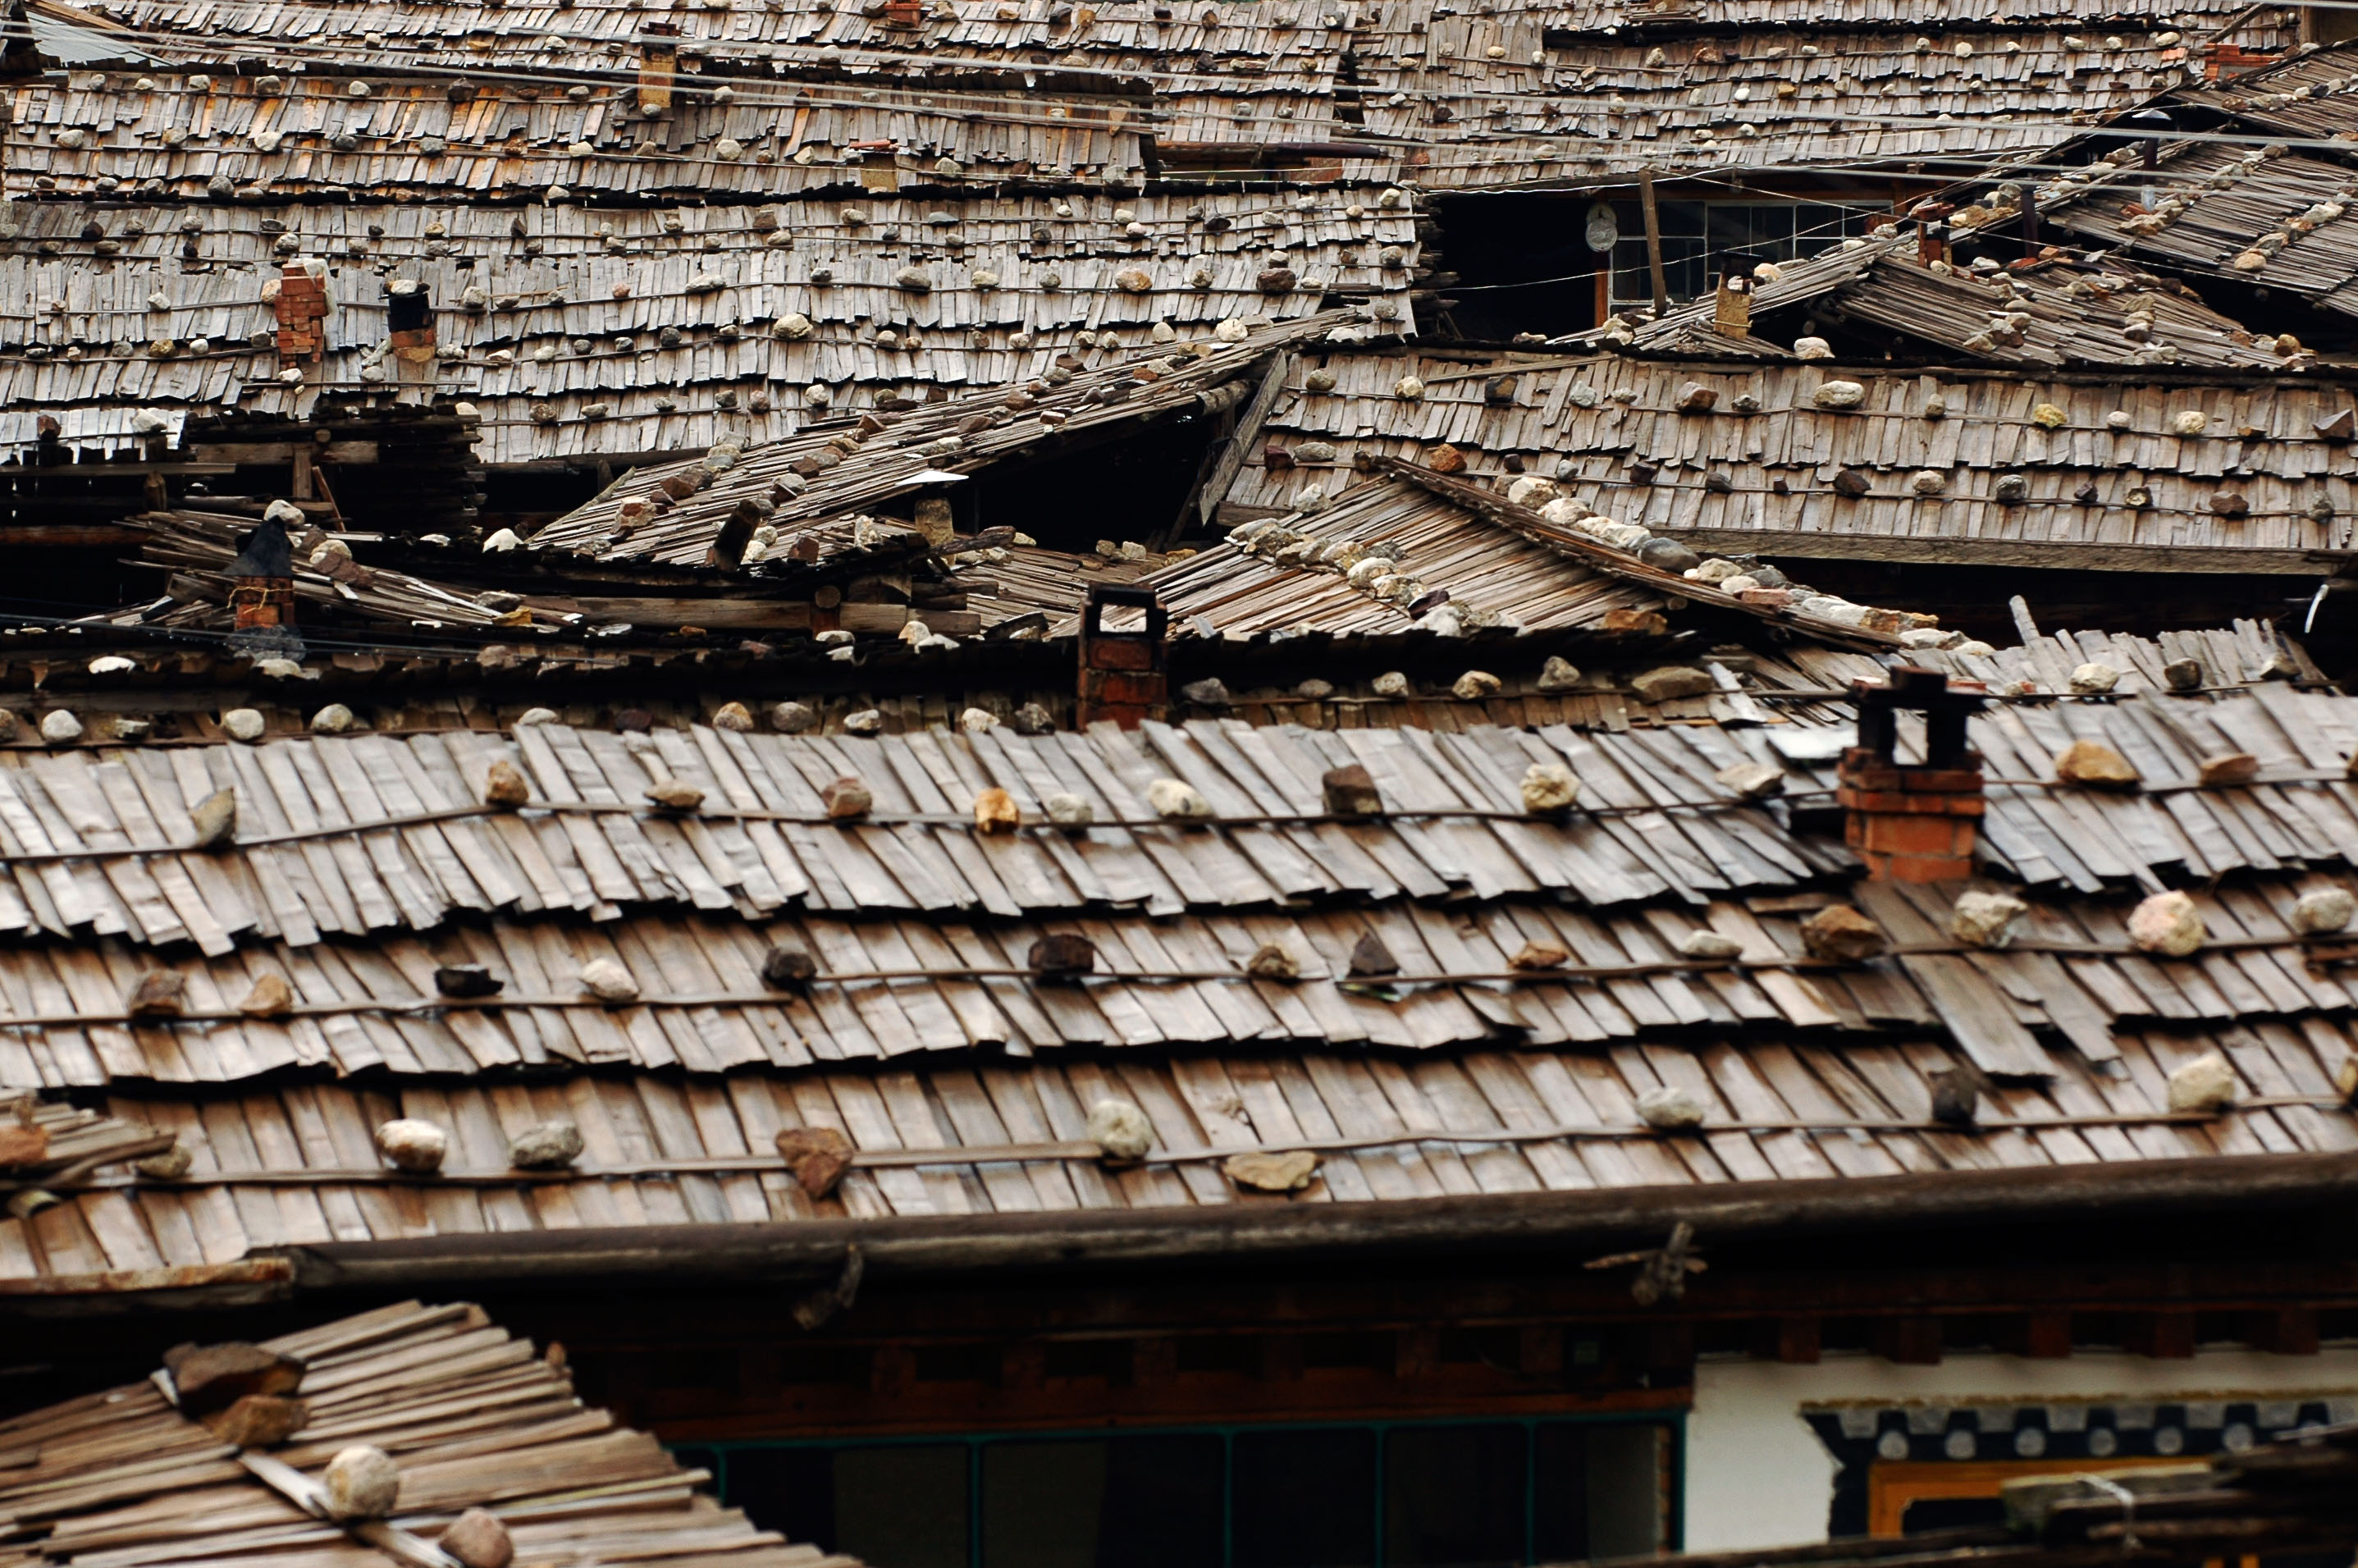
1672,1422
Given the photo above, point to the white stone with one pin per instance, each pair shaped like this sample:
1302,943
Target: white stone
2094,680
112,665
1530,490
2323,911
2168,923
1717,569
502,542
1812,349
411,1145
1172,797
1670,1108
1753,780
1391,684
531,717
361,1482
1559,673
1702,943
1986,919
1549,786
975,720
606,979
1119,1130
332,719
2206,1084
1066,809
60,727
1840,394
244,724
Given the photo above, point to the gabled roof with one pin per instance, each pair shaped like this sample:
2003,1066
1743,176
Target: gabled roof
836,468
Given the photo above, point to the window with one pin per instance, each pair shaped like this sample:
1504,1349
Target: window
1428,1495
1702,239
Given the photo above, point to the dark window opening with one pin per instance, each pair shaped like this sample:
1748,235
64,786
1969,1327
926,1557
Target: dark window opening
1450,1494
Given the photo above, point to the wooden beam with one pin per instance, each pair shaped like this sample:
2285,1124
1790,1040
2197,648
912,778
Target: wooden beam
1909,1341
2172,559
1653,243
1246,431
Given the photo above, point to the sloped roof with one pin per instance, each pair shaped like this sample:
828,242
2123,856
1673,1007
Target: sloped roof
836,468
2055,312
962,1077
2114,484
470,1414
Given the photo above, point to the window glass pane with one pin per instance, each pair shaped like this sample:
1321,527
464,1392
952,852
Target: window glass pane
1454,1496
1127,1502
1304,1499
790,1490
1559,1493
1626,1472
901,1508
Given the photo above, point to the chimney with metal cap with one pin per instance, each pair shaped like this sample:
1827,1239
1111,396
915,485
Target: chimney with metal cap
1912,822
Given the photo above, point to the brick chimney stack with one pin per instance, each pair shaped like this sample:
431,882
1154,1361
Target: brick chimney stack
1912,822
1123,674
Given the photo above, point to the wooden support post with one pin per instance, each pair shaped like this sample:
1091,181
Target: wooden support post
1799,1341
1909,1341
1416,1352
1023,1365
1653,240
2286,1331
892,1370
1671,1349
2165,1335
2047,1336
1154,1361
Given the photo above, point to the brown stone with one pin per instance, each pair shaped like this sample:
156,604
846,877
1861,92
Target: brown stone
271,997
1540,955
847,800
1851,483
505,786
817,1157
1369,957
1842,934
1287,1173
1062,956
1351,791
160,993
2223,769
215,818
478,1540
258,1420
1446,459
21,1146
788,969
2095,764
995,812
211,1378
673,796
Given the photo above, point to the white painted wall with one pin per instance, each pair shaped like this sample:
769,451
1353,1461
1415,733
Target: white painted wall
1758,1476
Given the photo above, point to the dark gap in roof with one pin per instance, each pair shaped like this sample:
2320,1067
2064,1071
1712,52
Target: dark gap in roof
1128,489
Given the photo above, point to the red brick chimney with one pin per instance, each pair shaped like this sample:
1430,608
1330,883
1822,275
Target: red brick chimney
1911,822
1124,673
